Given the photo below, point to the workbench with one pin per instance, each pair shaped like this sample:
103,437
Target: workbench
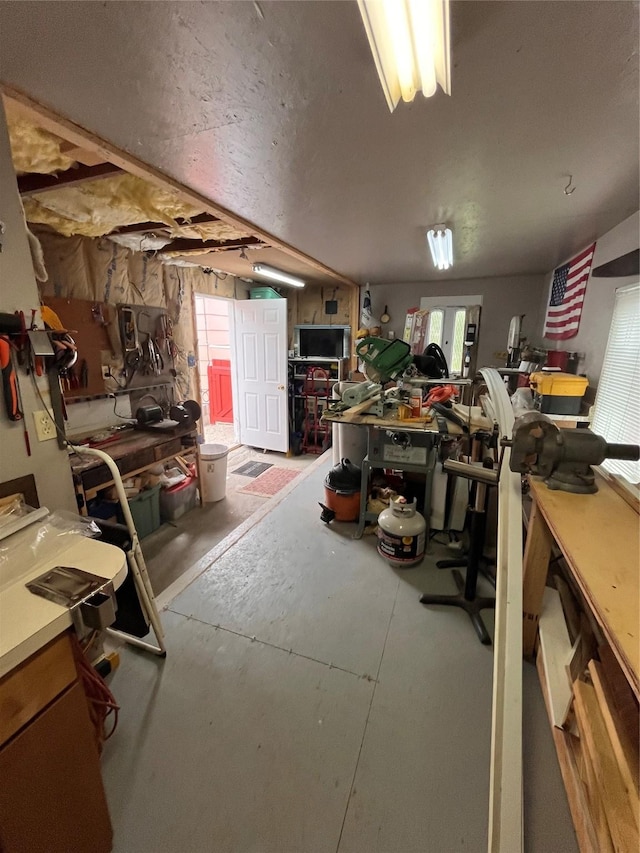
598,537
419,455
135,452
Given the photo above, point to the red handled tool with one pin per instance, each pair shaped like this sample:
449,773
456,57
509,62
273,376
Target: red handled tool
9,380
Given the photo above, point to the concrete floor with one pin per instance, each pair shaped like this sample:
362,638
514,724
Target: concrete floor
310,704
177,546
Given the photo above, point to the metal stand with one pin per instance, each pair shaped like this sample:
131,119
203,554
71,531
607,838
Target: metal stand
137,565
467,589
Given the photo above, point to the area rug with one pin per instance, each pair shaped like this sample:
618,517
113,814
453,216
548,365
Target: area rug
253,469
270,482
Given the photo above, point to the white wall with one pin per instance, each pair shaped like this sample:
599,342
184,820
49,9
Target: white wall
599,299
501,299
18,291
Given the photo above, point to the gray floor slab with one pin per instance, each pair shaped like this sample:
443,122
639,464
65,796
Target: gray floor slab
300,584
230,746
423,778
240,746
175,547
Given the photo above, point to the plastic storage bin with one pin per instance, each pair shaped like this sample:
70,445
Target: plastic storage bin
178,499
145,509
264,293
213,471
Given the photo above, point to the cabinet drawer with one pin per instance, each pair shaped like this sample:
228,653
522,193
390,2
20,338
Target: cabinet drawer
30,687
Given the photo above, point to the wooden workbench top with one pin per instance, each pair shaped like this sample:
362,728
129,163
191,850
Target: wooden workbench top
598,536
478,421
132,441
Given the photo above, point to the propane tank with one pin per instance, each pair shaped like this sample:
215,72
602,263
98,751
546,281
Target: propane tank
401,534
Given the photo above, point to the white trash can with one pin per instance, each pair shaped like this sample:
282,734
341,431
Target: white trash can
213,471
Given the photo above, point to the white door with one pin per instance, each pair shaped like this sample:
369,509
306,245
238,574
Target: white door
259,333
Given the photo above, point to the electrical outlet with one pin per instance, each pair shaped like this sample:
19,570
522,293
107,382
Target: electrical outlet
45,428
106,371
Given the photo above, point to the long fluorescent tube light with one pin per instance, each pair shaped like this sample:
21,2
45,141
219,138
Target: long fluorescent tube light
278,275
410,43
440,241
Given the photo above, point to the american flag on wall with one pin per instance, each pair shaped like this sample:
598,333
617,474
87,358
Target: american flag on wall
567,295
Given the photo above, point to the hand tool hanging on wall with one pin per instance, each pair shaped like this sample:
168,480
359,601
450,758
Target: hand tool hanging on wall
9,380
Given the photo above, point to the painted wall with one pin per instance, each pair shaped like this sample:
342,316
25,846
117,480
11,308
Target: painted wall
599,299
501,299
18,291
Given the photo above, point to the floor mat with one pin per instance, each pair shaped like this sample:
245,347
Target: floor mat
253,469
270,482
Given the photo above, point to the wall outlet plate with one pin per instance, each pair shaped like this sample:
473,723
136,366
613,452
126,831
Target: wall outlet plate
45,428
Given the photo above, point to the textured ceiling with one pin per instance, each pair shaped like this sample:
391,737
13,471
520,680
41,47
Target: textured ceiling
275,112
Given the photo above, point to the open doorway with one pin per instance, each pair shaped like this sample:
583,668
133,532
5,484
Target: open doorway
213,318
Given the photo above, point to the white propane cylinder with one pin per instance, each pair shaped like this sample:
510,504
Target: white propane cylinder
401,534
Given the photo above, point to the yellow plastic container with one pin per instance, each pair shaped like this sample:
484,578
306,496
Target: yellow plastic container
558,384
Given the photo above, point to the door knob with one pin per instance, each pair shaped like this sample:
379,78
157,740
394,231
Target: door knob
280,387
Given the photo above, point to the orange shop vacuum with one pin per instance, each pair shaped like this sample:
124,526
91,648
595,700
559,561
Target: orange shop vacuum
341,493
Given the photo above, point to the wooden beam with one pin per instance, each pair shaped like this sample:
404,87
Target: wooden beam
49,120
184,244
34,184
142,227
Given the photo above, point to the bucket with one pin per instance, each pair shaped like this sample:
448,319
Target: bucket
213,471
557,358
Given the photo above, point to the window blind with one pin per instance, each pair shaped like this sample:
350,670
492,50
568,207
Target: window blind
617,408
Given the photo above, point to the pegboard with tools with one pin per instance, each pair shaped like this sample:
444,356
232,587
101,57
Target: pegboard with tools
120,347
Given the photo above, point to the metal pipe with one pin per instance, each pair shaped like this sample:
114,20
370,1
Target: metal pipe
471,472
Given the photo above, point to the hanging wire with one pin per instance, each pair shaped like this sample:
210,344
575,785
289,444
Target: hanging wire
569,187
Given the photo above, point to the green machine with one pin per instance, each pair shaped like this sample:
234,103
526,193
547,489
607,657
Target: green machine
383,360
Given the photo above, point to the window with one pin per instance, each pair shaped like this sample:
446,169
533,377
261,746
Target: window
457,348
435,326
617,409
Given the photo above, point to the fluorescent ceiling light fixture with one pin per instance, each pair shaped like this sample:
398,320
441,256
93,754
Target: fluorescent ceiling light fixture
409,40
278,275
440,241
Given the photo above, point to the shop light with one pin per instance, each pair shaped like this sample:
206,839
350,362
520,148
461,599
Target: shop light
440,241
278,275
409,40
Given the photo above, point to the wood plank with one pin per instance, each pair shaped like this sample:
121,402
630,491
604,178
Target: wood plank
594,798
624,752
593,735
30,687
186,245
534,575
597,535
620,691
555,648
35,184
576,794
143,227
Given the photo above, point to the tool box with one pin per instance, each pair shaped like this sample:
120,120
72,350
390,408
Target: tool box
558,393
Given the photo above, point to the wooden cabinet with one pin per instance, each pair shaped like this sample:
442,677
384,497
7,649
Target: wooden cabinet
51,797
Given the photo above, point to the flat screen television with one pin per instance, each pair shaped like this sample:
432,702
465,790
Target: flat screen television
322,341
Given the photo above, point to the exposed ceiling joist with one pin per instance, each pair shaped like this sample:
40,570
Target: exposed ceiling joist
142,227
185,245
34,184
86,140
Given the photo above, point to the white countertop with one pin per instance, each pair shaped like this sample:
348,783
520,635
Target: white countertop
28,621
